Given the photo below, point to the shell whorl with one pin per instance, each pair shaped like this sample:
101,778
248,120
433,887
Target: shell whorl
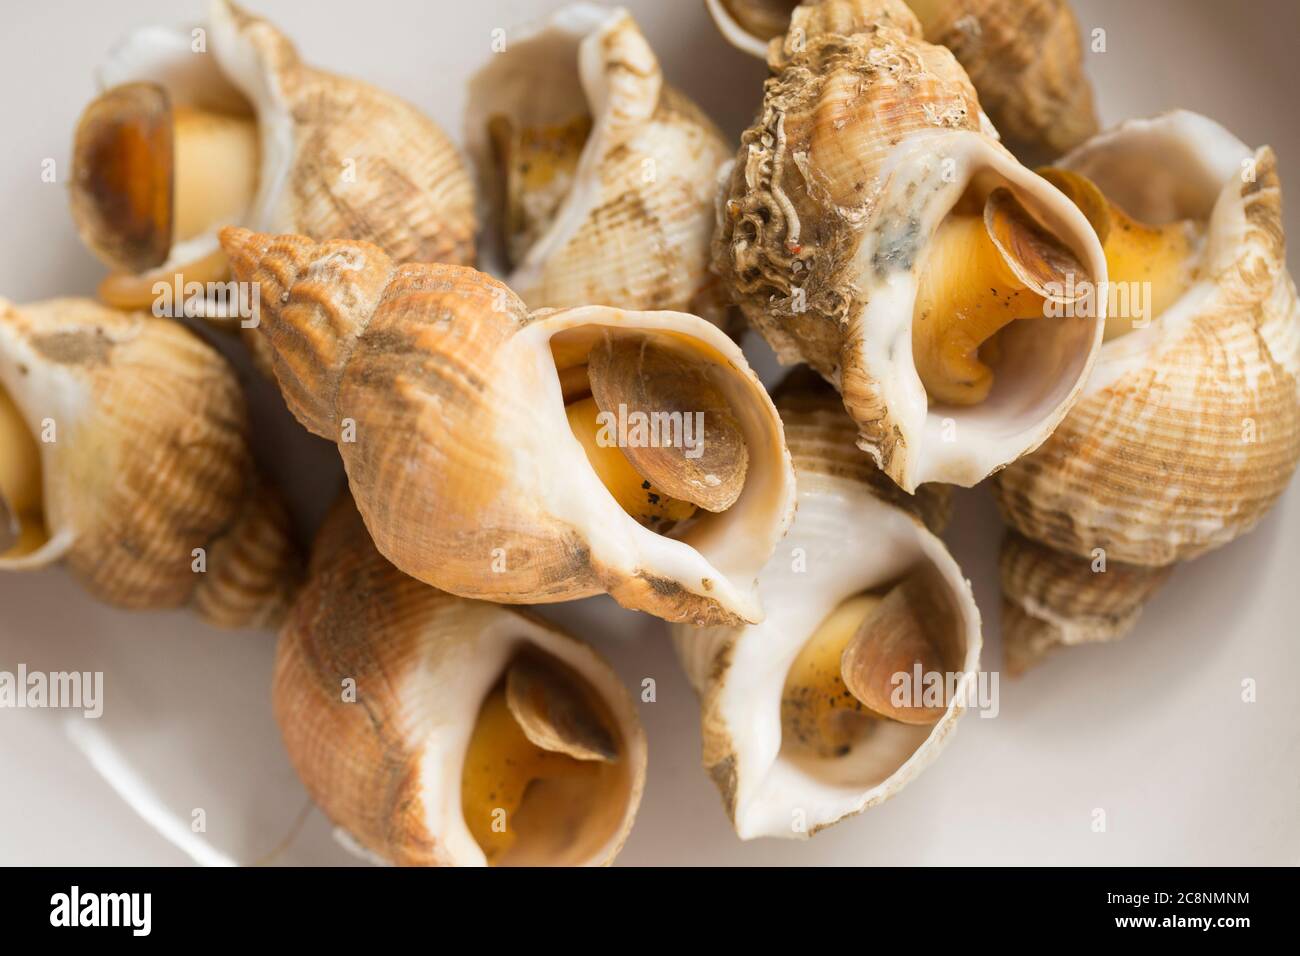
1051,599
319,298
408,190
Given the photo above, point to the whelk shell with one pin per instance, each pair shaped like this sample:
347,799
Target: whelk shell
441,731
601,174
790,736
1024,57
1189,428
455,410
132,435
871,229
334,157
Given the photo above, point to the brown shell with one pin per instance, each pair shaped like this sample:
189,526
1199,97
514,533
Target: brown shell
1052,599
412,193
406,368
359,618
150,462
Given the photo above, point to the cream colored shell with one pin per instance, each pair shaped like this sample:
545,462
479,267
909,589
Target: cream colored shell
441,389
1024,57
854,531
633,229
339,157
1189,429
386,766
143,439
864,142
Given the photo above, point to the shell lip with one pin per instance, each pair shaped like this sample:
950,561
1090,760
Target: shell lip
769,783
573,42
1055,362
718,569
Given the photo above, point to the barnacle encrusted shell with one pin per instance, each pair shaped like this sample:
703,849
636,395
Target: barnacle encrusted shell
864,143
338,157
442,391
1189,428
854,530
632,229
144,458
385,764
1024,57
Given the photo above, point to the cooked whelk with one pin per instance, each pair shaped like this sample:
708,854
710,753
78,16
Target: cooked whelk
472,451
1189,429
1023,56
477,735
871,228
789,745
631,374
124,453
181,143
601,175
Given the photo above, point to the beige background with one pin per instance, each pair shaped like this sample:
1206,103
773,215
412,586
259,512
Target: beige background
1152,730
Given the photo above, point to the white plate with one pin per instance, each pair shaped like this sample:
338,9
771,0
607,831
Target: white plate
1152,730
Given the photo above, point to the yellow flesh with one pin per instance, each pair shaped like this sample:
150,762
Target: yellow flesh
967,293
1164,256
536,167
637,496
500,766
818,713
216,170
20,480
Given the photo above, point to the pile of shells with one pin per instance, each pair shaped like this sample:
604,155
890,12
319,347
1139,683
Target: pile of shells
589,425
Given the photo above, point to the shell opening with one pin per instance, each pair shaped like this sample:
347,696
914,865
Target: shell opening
654,423
151,175
855,673
1149,265
987,265
23,527
534,169
544,780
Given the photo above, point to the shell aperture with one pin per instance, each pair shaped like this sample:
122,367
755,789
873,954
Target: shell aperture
536,758
982,273
148,174
846,675
1162,259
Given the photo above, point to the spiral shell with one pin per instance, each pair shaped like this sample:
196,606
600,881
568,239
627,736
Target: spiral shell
443,393
338,157
149,491
385,763
865,143
854,531
1189,429
631,226
1024,57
